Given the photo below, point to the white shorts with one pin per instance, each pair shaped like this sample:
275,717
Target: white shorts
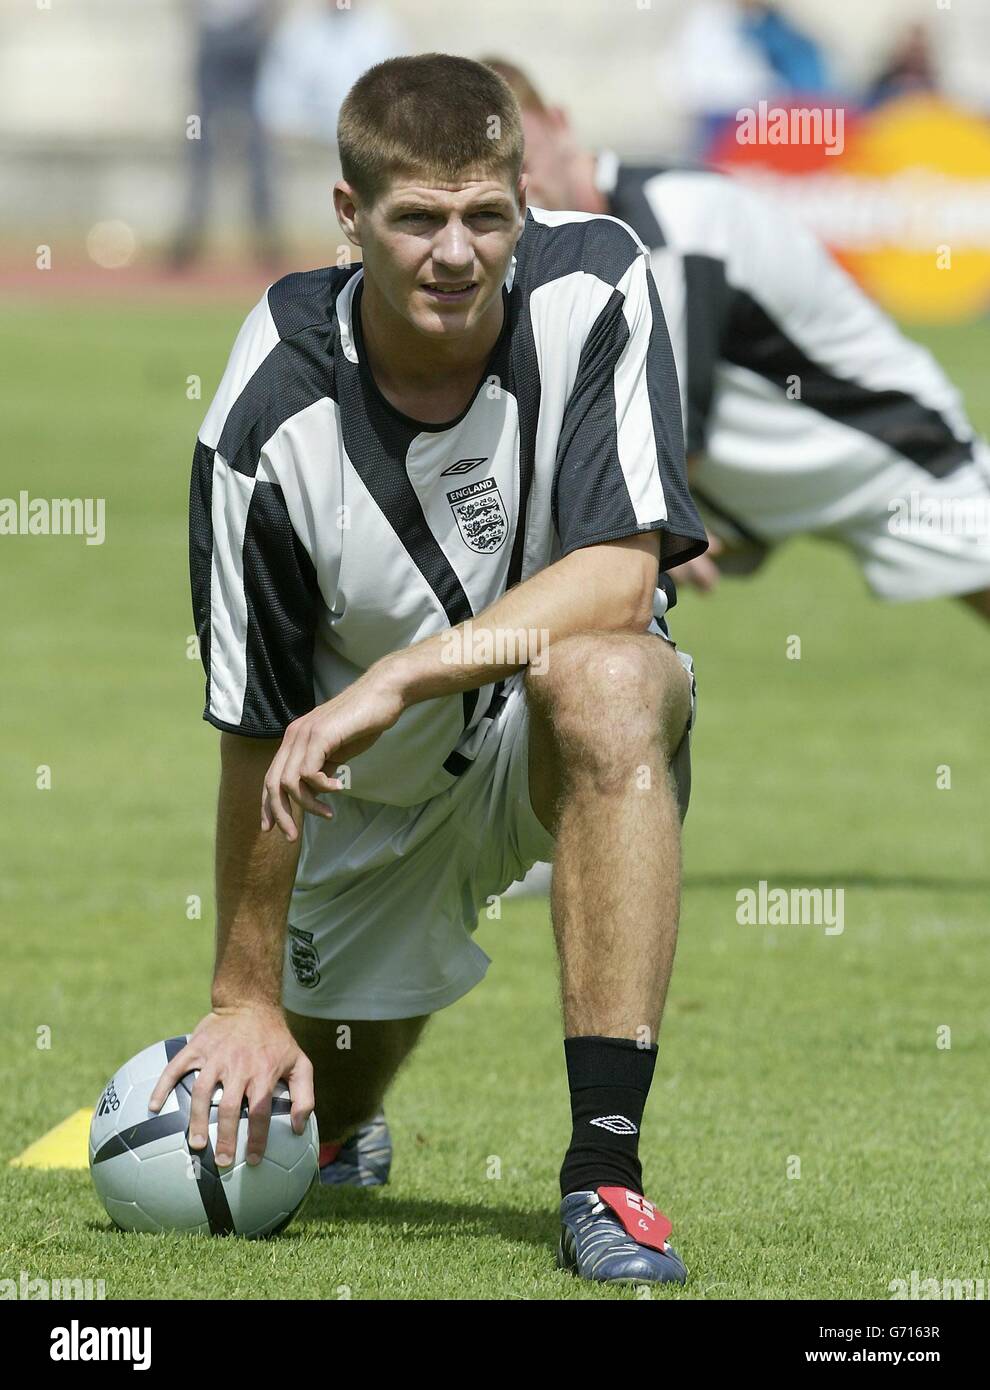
390,935
914,535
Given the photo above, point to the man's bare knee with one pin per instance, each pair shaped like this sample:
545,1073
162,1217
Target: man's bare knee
607,694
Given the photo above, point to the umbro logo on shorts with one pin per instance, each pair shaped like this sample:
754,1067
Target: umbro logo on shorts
615,1124
463,466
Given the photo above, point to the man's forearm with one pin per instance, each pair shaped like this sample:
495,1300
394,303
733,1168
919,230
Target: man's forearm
254,877
594,589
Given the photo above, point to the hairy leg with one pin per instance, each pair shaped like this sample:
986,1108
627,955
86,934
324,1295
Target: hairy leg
353,1065
605,721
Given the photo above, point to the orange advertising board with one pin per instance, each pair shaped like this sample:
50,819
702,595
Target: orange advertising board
901,194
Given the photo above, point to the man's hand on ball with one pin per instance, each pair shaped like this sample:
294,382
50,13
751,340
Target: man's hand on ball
318,743
245,1049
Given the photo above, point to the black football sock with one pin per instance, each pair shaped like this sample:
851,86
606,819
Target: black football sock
609,1080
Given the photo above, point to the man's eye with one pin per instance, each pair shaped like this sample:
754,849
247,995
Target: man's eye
414,217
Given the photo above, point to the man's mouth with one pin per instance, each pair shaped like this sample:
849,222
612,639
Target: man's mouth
453,292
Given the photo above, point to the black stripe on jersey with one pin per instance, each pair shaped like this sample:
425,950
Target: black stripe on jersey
201,550
591,501
554,250
916,431
281,591
519,374
374,438
629,202
598,492
684,535
706,298
283,603
294,375
306,298
282,598
372,450
707,303
590,497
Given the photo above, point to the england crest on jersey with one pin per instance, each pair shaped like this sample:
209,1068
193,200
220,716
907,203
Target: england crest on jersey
480,515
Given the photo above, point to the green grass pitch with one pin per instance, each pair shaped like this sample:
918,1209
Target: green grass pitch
778,1042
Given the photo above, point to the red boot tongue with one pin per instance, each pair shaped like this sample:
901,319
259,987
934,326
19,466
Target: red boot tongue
644,1222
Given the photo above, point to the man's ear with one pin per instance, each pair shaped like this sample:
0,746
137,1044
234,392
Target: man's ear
522,195
345,206
559,117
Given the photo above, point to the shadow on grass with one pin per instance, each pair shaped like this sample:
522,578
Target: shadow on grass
422,1218
401,1217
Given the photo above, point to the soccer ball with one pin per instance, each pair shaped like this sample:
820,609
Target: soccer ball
150,1180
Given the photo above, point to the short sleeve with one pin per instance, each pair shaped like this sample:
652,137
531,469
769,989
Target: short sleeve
254,588
620,463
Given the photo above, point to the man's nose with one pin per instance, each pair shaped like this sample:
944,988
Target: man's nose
452,247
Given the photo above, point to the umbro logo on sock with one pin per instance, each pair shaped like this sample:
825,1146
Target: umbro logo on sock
615,1124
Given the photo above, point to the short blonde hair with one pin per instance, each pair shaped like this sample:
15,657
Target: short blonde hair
433,114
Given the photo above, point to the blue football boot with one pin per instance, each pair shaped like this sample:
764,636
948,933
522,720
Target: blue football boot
364,1160
615,1235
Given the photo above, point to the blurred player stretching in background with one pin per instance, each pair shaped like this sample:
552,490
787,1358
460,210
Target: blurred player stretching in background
805,409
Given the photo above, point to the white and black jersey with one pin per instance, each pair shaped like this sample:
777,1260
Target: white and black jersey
802,400
328,529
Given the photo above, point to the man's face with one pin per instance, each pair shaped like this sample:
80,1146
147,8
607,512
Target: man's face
550,160
438,253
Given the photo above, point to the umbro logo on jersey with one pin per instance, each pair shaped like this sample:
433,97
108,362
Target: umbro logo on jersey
463,466
615,1124
480,515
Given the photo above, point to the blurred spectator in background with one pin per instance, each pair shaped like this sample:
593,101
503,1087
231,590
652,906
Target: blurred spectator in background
909,69
316,55
795,59
730,54
231,36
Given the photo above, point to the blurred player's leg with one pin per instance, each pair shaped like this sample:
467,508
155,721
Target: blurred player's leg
981,602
